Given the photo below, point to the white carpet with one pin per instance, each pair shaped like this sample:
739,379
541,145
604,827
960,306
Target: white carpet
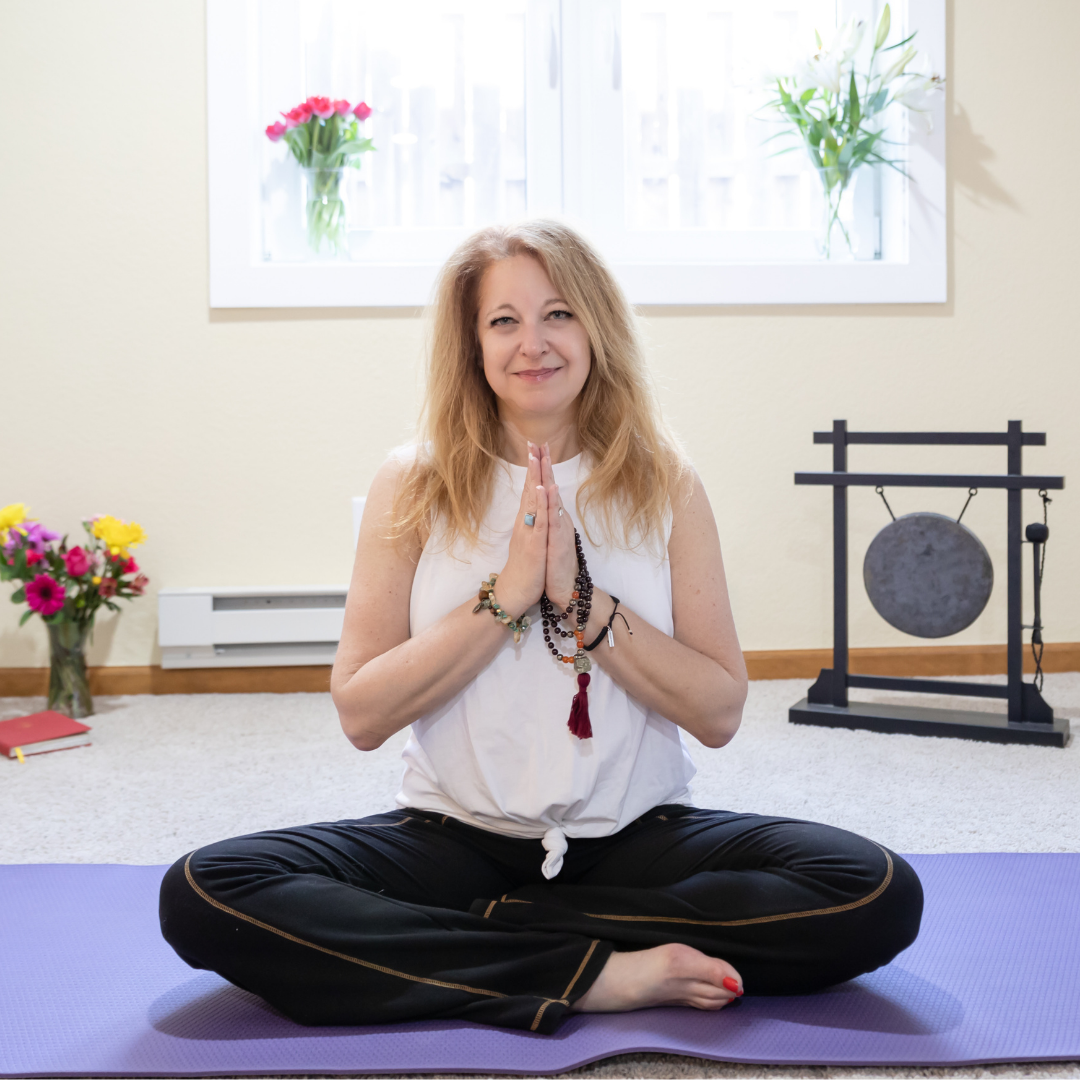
167,774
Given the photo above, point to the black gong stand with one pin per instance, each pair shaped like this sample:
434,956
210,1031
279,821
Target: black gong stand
1029,719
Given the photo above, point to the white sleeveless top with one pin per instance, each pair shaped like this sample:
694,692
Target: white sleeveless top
499,754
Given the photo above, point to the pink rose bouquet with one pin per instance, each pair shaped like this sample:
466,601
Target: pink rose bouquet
323,135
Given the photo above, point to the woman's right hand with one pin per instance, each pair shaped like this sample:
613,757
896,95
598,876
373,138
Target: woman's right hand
521,582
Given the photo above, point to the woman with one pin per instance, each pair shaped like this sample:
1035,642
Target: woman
546,856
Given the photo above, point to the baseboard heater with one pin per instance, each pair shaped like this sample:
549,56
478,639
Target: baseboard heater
249,627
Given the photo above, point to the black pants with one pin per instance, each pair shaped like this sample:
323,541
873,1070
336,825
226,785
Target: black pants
412,915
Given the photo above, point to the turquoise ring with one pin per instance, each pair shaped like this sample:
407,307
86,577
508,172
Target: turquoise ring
530,519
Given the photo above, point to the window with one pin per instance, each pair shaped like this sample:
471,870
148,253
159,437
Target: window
448,120
637,121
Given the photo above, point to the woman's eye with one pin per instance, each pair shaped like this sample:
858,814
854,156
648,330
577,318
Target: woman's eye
502,320
560,313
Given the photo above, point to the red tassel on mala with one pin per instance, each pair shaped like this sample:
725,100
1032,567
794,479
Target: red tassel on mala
578,609
579,711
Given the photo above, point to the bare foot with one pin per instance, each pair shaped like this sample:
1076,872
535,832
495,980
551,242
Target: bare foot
667,975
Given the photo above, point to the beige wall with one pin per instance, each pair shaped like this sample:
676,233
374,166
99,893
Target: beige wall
237,438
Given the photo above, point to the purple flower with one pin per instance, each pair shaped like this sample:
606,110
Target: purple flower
37,536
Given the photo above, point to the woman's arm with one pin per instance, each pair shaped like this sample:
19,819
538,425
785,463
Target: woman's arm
383,679
697,679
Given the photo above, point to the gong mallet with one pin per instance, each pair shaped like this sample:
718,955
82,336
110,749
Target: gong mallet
1037,534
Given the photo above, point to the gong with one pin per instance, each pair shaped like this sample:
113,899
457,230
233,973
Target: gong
928,575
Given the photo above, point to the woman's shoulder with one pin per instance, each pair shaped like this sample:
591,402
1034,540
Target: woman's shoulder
693,519
393,493
399,462
389,475
405,455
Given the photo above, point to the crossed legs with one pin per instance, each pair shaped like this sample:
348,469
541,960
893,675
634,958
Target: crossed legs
412,915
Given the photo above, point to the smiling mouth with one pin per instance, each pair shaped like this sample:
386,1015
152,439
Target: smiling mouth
537,375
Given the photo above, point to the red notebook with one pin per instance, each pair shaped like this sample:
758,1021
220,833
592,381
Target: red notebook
40,733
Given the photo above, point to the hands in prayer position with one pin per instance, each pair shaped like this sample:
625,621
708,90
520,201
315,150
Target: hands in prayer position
542,555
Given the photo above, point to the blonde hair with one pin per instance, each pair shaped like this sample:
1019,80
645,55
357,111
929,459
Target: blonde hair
638,469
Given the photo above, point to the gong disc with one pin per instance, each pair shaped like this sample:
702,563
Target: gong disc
928,575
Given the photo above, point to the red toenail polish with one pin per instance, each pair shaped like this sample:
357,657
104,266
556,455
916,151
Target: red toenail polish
730,984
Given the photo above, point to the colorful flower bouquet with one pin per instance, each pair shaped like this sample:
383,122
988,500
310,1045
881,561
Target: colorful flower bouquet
66,586
836,112
324,137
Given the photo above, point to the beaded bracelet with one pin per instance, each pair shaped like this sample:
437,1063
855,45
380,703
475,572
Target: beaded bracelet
487,600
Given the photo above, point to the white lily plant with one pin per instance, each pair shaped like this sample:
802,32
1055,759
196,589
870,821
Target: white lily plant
837,111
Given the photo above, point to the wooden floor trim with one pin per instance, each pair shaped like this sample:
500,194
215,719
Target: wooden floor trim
920,660
25,682
924,660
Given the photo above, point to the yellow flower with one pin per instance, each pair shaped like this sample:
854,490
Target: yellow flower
118,535
11,517
96,580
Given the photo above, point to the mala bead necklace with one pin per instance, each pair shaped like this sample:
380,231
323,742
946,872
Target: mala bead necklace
577,610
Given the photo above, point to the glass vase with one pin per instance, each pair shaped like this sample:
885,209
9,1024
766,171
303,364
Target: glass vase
835,236
69,688
325,211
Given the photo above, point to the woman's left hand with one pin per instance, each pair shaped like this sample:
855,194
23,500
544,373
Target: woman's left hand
562,565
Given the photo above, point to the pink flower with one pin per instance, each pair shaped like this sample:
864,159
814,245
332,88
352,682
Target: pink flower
341,106
45,595
130,567
76,562
138,586
362,110
275,131
107,587
321,107
33,556
295,117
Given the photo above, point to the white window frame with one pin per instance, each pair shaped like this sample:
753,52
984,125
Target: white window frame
240,279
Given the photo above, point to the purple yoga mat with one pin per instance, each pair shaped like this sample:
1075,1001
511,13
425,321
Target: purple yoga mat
87,987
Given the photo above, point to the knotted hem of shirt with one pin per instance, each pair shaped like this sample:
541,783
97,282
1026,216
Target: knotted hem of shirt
555,845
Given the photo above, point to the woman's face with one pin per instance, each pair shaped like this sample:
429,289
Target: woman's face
536,353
